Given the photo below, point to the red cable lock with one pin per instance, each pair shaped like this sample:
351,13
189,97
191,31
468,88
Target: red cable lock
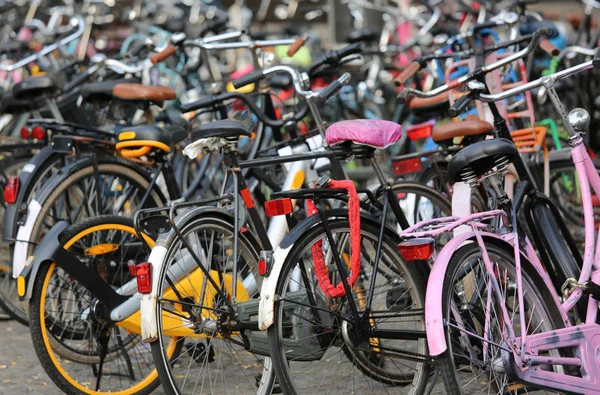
317,249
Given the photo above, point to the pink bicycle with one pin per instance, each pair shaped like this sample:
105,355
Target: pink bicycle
494,320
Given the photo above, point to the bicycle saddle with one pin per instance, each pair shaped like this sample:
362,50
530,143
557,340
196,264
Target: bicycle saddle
480,157
363,35
101,90
34,87
227,129
11,105
373,133
151,136
468,127
138,92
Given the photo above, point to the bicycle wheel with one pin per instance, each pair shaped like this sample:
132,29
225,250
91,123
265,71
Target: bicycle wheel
469,364
76,196
565,192
311,340
215,358
419,202
79,349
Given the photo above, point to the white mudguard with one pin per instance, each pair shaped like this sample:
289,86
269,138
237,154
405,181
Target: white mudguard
267,292
148,301
23,238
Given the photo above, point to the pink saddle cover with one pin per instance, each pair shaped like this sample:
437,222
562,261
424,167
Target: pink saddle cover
374,133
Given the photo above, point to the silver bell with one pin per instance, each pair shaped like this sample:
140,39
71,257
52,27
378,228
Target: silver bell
579,119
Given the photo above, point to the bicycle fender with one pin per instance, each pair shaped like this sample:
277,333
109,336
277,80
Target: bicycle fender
267,292
11,214
434,317
148,302
45,252
23,237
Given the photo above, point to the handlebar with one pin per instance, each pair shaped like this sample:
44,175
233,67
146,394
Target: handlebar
333,57
295,47
546,81
333,88
407,73
535,40
163,55
78,21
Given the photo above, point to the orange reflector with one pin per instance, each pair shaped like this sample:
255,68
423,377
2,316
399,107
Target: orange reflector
143,274
416,249
419,132
277,207
406,166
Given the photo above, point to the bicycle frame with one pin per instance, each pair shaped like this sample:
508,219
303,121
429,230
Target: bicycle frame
523,350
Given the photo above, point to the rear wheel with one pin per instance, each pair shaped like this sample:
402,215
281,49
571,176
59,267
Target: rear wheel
77,197
215,360
81,350
312,338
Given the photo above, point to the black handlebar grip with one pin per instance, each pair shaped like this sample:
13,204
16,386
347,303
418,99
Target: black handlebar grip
460,105
208,101
596,60
348,50
248,79
328,92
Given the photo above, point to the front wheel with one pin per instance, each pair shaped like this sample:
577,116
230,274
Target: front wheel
471,365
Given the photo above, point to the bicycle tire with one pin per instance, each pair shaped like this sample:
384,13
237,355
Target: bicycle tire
172,382
51,341
375,379
533,285
61,183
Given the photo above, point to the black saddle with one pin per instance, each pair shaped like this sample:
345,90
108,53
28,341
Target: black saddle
228,129
480,157
34,87
9,104
167,136
101,91
363,35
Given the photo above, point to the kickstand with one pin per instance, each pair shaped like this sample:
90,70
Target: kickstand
102,341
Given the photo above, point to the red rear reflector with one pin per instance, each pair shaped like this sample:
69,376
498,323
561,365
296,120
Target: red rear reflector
25,133
11,190
38,133
595,201
419,132
416,249
143,274
277,207
262,267
406,166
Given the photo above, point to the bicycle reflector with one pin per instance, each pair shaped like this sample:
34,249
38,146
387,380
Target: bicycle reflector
11,190
416,249
419,132
277,207
143,274
406,166
25,133
38,133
